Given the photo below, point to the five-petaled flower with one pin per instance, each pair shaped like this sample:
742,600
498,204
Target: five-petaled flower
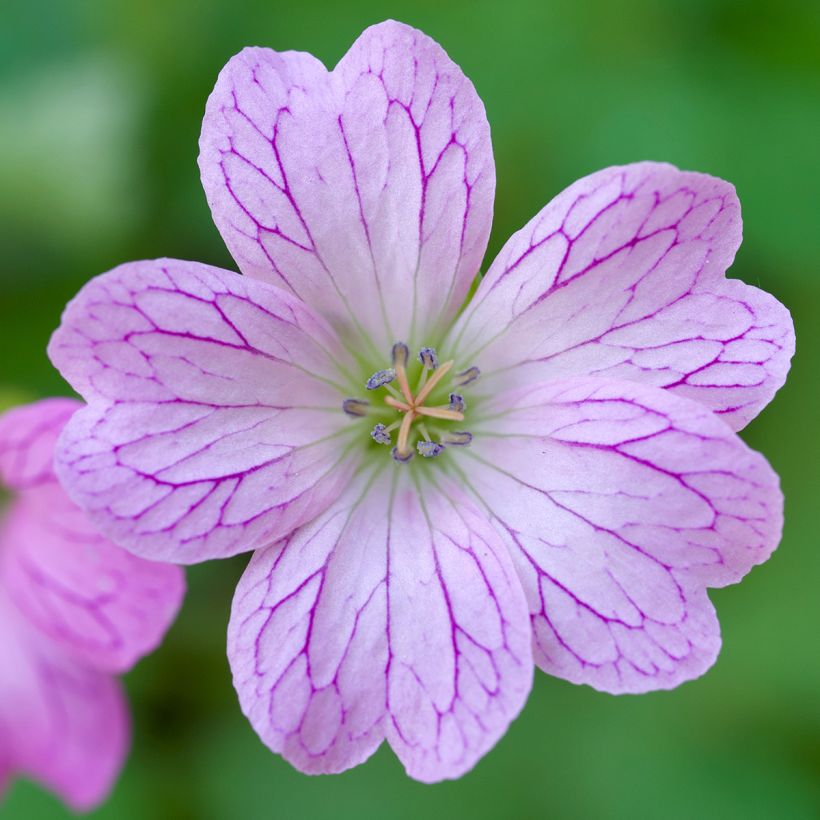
74,611
438,497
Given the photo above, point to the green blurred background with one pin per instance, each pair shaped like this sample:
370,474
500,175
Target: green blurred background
100,109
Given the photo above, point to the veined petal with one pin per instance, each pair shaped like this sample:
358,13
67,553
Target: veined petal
461,662
213,422
620,504
621,276
393,615
99,602
366,191
307,641
61,723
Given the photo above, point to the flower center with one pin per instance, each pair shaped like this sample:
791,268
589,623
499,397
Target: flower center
417,414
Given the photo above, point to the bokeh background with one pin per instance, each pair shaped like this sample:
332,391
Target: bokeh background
100,109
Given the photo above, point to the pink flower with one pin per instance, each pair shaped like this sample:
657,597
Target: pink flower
577,482
74,611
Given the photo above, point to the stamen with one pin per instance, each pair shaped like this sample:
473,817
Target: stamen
440,413
437,376
380,378
430,449
428,357
459,438
381,434
401,457
429,360
355,407
404,433
412,409
467,376
400,356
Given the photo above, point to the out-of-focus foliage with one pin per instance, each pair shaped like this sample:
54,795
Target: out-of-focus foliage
100,107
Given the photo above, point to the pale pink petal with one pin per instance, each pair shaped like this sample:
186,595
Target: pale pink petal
215,410
61,723
621,503
367,191
392,615
461,662
622,275
307,640
103,604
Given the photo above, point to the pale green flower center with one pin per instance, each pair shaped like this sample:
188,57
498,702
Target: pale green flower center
418,404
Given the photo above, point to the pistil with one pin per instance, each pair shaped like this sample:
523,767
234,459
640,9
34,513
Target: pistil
440,413
404,432
437,376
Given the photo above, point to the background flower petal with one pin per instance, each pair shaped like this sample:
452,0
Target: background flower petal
101,603
621,275
104,605
61,723
368,191
388,616
27,437
620,504
214,415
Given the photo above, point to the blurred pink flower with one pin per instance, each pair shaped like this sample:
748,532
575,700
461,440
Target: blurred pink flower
577,483
74,611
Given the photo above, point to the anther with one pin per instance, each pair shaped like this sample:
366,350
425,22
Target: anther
355,407
466,376
402,456
380,378
428,357
459,438
457,402
400,354
380,434
430,449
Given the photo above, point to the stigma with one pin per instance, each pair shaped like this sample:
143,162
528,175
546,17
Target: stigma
422,398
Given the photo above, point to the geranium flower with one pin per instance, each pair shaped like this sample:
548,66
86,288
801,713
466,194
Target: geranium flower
74,611
437,497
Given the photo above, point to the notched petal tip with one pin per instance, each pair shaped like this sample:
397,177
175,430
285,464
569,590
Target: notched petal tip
658,500
182,370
